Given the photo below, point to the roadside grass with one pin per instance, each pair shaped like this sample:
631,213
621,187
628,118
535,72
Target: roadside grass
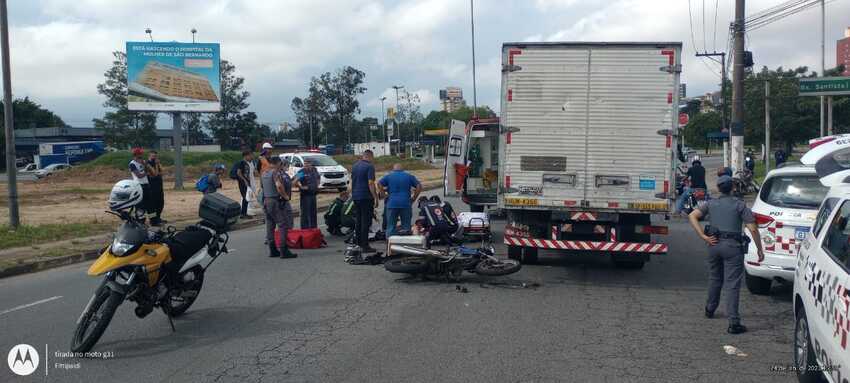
120,159
80,190
27,235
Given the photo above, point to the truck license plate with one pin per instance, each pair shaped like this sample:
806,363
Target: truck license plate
521,201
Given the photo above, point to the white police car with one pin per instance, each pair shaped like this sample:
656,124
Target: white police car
333,175
785,210
822,277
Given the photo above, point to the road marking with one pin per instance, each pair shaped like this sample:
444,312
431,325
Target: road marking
21,307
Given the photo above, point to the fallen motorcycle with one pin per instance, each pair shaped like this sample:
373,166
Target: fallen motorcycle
451,262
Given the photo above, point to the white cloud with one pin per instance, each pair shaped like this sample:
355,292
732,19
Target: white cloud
546,5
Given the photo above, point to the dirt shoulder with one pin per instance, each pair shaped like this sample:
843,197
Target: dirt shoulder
74,200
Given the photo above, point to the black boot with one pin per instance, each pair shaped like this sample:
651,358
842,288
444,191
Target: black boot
273,253
285,253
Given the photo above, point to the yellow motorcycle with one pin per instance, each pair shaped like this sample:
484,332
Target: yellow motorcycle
154,269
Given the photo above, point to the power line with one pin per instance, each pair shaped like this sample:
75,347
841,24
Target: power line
693,40
714,44
704,48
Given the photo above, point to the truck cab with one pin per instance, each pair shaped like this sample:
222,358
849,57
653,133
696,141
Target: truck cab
472,162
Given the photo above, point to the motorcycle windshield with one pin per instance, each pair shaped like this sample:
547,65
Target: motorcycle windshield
130,233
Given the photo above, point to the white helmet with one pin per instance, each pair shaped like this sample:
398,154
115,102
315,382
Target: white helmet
267,145
125,194
696,159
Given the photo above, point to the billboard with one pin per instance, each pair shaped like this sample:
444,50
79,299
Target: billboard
173,77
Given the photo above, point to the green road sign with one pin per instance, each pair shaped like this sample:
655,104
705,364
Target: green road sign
825,86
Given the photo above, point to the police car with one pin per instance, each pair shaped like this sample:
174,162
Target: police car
784,210
822,276
333,175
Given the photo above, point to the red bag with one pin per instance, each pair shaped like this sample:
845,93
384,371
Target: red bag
302,238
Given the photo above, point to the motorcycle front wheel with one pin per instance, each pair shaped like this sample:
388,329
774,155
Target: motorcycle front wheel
498,267
95,318
183,298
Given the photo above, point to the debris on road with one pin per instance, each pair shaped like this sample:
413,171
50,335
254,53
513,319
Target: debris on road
732,350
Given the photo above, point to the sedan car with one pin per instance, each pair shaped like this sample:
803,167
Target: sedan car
785,209
333,175
50,169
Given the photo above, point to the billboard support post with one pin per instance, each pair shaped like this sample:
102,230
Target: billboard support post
177,120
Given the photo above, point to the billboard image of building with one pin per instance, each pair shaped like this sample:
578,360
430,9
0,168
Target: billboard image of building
173,77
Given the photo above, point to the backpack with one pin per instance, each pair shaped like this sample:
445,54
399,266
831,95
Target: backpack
203,183
234,170
439,218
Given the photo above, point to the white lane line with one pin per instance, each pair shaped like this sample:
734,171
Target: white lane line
21,307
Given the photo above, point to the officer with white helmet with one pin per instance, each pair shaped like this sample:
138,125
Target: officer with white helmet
726,247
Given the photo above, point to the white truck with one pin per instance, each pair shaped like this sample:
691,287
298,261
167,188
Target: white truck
586,150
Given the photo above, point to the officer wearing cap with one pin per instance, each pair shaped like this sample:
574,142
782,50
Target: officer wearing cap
726,247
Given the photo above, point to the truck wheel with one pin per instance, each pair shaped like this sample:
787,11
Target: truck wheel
529,255
515,252
758,285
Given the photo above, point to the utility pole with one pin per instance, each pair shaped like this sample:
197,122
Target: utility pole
474,90
737,128
767,126
723,102
822,61
11,167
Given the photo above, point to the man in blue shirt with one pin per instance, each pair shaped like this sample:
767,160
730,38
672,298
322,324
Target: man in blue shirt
398,184
364,195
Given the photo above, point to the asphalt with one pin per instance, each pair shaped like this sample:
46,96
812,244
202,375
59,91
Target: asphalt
317,319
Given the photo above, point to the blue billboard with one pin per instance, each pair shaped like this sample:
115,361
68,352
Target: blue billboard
173,77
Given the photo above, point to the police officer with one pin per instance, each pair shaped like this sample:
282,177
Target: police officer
307,181
726,247
277,191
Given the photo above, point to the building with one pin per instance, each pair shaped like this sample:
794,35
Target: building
842,52
27,140
175,82
451,99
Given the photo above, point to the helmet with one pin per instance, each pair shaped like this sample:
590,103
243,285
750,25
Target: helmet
267,145
124,195
696,159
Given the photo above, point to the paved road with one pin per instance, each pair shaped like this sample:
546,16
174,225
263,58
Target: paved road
317,319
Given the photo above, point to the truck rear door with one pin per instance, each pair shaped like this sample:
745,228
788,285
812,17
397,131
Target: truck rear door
582,125
455,159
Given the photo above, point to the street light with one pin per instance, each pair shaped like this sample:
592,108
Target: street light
193,34
397,87
148,32
384,121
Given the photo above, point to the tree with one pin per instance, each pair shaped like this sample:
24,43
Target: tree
699,126
409,116
28,114
340,91
121,127
227,124
308,112
194,129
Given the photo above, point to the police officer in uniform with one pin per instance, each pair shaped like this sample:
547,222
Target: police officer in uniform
726,247
307,181
277,191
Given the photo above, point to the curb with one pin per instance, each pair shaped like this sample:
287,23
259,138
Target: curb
87,255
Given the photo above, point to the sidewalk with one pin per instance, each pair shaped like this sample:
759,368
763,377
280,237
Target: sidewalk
22,260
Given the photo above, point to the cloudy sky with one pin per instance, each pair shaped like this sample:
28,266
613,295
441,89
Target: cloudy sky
60,48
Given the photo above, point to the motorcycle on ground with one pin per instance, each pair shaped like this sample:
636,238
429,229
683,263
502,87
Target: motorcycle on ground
744,183
154,269
451,262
